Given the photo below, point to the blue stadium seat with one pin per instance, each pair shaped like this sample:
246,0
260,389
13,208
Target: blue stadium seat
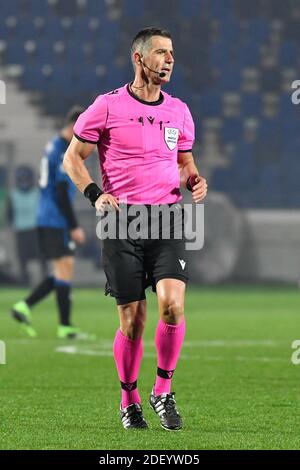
222,179
289,115
15,52
62,78
248,54
220,8
9,27
96,7
270,186
232,130
191,9
244,166
24,28
288,54
10,8
276,9
290,155
258,30
230,79
251,104
33,79
38,8
269,128
219,54
200,78
230,30
132,9
44,52
246,10
209,104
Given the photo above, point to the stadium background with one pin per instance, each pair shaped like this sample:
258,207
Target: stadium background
235,64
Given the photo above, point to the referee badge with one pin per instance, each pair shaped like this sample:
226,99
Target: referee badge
171,137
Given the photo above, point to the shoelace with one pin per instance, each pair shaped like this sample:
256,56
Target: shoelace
134,415
169,404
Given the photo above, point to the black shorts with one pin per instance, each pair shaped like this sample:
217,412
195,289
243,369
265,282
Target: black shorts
131,265
55,243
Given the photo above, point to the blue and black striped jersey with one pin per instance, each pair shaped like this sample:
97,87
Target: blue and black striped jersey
51,174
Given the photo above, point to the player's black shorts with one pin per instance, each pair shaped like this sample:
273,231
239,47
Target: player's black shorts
131,265
55,242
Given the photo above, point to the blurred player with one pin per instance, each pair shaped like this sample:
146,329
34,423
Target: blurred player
143,136
21,209
58,233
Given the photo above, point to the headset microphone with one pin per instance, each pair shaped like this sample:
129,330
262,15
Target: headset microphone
160,74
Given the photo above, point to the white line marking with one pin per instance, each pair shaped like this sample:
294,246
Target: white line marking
230,343
235,343
92,352
244,358
79,350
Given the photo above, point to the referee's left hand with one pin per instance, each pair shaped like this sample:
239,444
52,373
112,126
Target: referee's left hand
199,189
107,202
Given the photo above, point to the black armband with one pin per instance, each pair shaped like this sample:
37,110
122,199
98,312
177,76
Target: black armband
191,182
92,192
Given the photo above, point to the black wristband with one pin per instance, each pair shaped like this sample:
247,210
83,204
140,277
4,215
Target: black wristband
92,192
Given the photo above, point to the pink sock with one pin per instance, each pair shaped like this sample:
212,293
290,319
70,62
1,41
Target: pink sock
168,340
128,355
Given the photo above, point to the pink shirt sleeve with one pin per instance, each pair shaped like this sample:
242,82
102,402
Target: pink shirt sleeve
92,121
186,139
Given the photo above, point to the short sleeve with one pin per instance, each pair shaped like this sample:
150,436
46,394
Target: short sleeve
187,138
92,121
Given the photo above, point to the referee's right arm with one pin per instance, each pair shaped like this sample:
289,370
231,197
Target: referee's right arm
74,165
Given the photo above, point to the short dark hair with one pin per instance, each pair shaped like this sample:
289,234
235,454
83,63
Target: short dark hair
142,37
73,114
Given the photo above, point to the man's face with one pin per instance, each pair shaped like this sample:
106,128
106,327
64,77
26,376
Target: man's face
159,57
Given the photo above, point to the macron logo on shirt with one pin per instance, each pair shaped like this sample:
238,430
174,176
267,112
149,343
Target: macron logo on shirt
182,263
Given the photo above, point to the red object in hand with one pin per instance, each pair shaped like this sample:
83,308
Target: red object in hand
191,182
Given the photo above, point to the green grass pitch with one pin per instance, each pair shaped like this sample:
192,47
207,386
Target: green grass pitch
235,384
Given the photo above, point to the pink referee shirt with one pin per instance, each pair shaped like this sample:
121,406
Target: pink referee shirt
138,144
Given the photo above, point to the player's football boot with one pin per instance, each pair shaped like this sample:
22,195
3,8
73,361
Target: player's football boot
21,313
73,332
132,417
165,406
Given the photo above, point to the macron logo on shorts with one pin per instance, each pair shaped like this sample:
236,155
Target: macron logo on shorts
182,263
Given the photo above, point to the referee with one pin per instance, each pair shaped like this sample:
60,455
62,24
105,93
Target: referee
144,138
